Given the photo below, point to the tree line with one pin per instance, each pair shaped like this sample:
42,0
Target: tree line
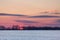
17,27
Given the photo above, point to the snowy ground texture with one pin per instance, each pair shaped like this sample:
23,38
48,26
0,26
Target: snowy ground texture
30,35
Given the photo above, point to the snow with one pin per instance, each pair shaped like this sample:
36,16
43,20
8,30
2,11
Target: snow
29,35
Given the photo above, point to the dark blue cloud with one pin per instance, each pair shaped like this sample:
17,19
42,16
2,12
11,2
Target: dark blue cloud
47,12
58,20
45,16
5,14
56,13
25,21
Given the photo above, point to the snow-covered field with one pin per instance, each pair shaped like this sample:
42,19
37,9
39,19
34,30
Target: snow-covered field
30,35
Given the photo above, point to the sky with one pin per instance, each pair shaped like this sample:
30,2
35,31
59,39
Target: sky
28,7
30,12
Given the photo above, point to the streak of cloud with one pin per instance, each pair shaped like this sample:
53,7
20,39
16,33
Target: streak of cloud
49,13
45,16
58,20
5,14
25,21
